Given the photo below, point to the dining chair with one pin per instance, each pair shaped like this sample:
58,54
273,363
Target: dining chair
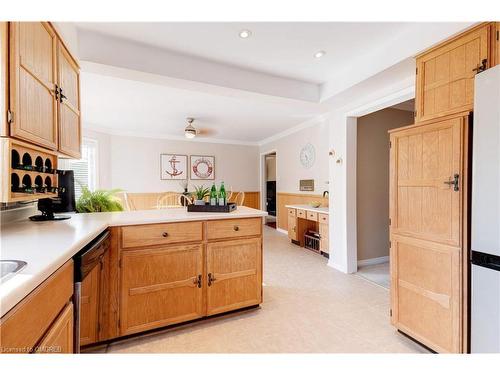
239,198
171,200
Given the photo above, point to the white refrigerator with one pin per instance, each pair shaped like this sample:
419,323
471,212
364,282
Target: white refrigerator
485,214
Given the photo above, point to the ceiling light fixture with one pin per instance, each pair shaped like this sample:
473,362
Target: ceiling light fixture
319,54
245,34
190,131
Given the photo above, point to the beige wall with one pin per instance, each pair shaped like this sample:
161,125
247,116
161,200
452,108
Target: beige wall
133,163
270,168
289,170
373,180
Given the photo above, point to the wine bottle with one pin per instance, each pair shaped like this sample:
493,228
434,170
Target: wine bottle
213,195
222,194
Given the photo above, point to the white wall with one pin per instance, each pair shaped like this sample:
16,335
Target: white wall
133,163
289,170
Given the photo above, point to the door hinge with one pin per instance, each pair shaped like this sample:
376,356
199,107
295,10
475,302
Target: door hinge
390,244
416,70
390,144
120,263
98,327
498,35
10,116
390,312
390,222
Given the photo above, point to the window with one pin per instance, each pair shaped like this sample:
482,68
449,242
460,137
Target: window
85,168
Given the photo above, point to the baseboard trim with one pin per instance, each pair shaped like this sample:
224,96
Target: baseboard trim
282,231
373,261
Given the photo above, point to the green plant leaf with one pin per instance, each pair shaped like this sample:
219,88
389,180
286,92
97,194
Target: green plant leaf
98,201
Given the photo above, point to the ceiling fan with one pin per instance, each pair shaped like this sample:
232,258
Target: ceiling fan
190,131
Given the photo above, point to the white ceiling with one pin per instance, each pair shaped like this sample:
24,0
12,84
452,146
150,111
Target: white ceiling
284,49
129,107
243,90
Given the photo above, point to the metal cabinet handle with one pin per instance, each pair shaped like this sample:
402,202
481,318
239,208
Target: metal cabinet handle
165,234
197,281
211,279
453,182
482,67
236,228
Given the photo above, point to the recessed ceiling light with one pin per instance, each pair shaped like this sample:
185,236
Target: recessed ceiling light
319,54
245,34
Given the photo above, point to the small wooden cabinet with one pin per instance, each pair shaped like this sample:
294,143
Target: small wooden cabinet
160,286
301,220
43,321
44,94
234,278
292,225
89,307
445,73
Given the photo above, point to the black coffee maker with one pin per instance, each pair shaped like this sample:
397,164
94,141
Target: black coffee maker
65,201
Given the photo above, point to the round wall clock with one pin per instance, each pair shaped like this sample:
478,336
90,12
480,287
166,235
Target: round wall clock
307,156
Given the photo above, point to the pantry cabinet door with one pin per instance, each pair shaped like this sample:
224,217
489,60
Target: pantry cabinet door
427,218
33,83
160,287
69,104
234,275
445,75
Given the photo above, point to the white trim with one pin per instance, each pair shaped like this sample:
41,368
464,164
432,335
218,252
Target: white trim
281,230
262,171
373,261
303,125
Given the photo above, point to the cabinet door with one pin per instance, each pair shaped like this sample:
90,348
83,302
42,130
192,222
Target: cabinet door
234,275
292,227
426,209
32,83
69,104
445,75
160,287
89,322
324,242
59,338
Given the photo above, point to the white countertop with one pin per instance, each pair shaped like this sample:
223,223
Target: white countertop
321,210
46,246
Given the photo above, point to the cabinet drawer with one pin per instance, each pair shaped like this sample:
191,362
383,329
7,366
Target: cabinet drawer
234,228
311,215
28,321
291,211
323,218
301,214
161,234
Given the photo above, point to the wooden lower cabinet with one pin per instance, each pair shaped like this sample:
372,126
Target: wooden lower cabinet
292,227
160,287
234,275
59,338
324,243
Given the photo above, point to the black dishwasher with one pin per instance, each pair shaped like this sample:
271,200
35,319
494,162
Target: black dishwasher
85,261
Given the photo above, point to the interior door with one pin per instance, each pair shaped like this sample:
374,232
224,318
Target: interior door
234,275
427,185
160,287
33,82
445,75
69,104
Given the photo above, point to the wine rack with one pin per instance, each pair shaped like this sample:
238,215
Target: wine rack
28,172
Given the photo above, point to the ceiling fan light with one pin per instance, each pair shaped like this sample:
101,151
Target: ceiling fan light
190,131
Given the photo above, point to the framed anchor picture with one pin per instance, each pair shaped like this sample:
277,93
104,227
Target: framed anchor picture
202,167
173,167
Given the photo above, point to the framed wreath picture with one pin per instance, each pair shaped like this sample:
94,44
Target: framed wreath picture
173,167
202,167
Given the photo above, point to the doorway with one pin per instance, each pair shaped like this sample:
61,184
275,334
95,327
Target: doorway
372,193
269,188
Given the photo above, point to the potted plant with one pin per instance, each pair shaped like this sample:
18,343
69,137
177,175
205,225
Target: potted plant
98,201
200,192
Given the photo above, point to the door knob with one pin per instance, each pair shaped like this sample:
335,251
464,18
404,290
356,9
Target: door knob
482,67
236,228
164,234
211,279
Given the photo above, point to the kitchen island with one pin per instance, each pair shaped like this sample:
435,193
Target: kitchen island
162,266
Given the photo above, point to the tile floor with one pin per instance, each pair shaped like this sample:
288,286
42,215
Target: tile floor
377,273
308,307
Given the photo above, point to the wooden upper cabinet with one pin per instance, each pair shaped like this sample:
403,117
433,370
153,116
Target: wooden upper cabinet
445,74
69,104
33,78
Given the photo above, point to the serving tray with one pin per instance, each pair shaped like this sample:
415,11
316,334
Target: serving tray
208,208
